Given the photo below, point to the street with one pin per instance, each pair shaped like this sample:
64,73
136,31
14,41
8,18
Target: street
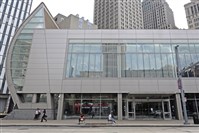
24,129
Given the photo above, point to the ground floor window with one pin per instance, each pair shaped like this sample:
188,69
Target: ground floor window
133,106
147,107
192,103
91,105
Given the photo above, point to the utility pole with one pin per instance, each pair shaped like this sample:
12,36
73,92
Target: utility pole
179,74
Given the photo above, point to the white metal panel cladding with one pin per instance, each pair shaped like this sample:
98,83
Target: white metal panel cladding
104,85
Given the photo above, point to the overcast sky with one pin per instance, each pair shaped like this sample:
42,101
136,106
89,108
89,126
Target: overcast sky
85,9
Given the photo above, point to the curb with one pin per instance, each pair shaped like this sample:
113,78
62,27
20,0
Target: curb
96,125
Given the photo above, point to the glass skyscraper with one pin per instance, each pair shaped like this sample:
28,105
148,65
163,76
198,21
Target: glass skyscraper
12,14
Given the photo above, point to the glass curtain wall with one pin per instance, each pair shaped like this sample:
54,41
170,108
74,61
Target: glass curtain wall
21,50
131,58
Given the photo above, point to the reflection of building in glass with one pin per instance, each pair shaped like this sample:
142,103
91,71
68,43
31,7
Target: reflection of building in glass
131,73
12,14
191,72
192,13
73,22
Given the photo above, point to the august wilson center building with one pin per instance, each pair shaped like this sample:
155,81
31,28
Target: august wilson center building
131,73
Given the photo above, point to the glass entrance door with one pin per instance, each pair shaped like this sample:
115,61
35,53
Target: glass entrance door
130,110
166,110
153,109
148,110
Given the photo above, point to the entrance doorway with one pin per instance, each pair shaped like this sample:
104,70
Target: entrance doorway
148,109
131,109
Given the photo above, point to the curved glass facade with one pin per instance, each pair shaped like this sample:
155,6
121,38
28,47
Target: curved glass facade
21,49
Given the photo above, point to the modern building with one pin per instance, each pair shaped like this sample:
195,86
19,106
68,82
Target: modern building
129,72
118,14
73,22
157,15
192,14
12,14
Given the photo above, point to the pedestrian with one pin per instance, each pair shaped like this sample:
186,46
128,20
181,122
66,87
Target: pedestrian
92,114
44,116
81,118
111,118
37,114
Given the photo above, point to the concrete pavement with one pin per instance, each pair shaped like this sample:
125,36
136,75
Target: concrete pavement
98,123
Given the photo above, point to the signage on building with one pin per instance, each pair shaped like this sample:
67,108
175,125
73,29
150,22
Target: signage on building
179,83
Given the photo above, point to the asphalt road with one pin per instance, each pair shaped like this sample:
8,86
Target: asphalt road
23,129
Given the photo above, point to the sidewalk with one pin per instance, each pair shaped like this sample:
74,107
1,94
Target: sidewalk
97,123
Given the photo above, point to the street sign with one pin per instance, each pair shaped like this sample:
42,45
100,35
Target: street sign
179,83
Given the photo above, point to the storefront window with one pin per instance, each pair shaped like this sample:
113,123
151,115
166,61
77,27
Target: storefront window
91,105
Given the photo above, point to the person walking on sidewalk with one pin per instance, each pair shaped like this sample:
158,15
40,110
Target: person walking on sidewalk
44,116
111,118
37,114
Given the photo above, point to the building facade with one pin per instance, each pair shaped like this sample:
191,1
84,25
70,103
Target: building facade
118,14
131,73
157,15
73,22
12,14
192,14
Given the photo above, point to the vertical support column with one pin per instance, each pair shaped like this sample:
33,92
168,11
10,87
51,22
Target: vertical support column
163,110
34,98
60,106
49,101
119,106
126,109
134,106
169,109
119,61
178,107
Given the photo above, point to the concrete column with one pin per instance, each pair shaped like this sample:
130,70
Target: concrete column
178,107
119,106
126,108
34,98
60,106
49,101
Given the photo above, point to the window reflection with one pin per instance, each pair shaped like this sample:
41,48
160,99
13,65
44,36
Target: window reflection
26,98
139,59
91,105
21,50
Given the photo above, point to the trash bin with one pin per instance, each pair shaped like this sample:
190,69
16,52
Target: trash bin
195,118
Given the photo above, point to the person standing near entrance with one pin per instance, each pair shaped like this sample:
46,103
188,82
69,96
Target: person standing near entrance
44,116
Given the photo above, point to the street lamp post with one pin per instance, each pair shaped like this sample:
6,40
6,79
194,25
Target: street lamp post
180,84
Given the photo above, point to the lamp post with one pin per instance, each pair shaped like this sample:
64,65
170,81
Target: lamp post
180,84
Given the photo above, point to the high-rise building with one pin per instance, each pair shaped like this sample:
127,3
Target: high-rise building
192,14
73,22
157,15
12,14
118,14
